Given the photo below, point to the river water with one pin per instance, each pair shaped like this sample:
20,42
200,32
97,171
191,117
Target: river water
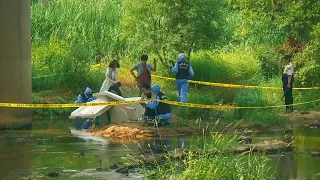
58,150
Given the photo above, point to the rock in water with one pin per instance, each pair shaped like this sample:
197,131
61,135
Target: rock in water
114,166
315,154
245,139
53,174
288,138
272,146
124,170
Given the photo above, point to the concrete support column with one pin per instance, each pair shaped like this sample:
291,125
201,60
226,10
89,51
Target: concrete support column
15,61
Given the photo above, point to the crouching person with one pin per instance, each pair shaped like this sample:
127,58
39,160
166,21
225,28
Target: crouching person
149,114
162,110
84,97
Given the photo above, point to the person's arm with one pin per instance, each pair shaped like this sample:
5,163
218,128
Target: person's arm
289,81
191,72
132,71
108,73
289,74
175,68
143,97
153,104
79,100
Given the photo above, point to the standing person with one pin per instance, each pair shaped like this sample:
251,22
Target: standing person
144,71
111,83
287,81
184,72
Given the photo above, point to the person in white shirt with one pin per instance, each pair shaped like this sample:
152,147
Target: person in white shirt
287,80
110,83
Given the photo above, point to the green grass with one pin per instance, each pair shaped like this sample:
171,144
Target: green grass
209,158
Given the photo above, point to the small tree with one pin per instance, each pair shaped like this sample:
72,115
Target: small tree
167,27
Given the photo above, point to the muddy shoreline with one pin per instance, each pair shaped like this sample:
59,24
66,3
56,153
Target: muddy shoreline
134,131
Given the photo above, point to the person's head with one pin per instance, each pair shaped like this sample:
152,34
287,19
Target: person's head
181,57
144,58
287,58
114,64
156,89
88,91
146,89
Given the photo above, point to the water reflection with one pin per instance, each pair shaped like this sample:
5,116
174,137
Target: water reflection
298,163
76,154
15,158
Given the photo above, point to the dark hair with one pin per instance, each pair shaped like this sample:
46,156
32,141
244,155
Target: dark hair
113,62
146,86
287,57
144,57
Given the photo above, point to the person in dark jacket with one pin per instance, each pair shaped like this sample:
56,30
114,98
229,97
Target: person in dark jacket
147,94
163,110
287,81
85,97
184,72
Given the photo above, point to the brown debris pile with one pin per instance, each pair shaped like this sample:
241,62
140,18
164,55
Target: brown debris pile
122,133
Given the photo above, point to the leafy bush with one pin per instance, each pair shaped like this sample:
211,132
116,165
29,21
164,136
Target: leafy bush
65,65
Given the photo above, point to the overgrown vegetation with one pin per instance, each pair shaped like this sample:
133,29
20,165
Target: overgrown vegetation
230,41
209,158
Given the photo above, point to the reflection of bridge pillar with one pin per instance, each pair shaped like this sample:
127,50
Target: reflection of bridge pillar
15,61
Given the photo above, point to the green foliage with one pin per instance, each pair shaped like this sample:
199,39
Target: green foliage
166,28
10,135
70,35
95,23
269,61
308,62
212,162
267,21
67,65
307,96
247,98
225,67
52,97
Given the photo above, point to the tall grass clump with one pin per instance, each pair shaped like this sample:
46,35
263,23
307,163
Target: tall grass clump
59,64
95,23
70,35
213,161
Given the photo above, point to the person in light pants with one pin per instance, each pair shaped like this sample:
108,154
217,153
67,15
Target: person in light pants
184,72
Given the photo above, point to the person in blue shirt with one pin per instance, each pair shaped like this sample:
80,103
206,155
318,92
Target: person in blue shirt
86,96
184,72
163,110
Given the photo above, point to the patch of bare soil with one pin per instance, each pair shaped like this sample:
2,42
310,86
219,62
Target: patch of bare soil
307,118
123,133
137,132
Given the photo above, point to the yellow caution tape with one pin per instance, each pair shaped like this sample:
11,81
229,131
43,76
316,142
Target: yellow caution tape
235,85
17,105
230,107
203,106
215,84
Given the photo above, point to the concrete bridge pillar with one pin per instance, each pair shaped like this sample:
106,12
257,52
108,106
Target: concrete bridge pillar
15,61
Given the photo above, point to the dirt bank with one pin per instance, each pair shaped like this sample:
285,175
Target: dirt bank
137,132
304,118
133,131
